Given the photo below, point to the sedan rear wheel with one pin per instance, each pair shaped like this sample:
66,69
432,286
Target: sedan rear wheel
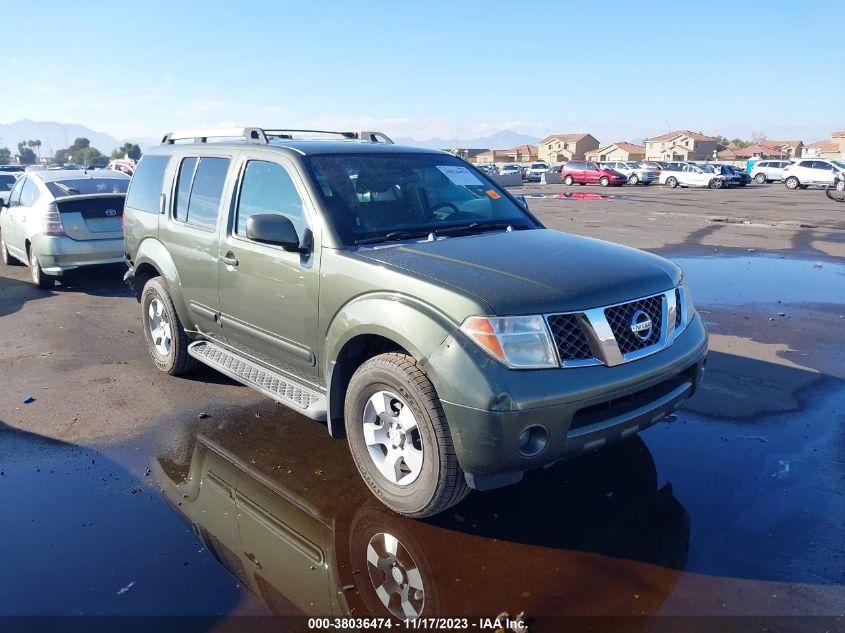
792,183
671,182
39,277
716,183
568,181
604,181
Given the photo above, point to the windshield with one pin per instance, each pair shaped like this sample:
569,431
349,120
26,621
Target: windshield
380,197
838,163
87,186
539,166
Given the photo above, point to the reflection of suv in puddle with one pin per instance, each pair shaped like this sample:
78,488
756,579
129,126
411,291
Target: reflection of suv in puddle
407,300
310,545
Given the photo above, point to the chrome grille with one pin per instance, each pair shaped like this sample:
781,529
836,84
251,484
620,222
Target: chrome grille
678,308
569,337
619,318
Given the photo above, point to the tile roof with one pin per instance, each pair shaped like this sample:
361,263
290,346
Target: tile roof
566,138
696,136
840,134
779,144
824,146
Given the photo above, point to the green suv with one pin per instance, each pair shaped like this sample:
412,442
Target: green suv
406,300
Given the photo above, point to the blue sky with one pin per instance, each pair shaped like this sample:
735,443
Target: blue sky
620,70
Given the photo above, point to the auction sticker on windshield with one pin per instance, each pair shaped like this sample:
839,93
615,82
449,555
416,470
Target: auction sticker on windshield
459,175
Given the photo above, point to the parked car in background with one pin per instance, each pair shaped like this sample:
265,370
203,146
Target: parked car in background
7,181
692,176
815,172
58,220
743,176
487,168
587,172
504,170
769,170
534,172
636,174
13,168
675,166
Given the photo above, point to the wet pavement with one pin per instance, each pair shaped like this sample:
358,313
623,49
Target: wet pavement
733,506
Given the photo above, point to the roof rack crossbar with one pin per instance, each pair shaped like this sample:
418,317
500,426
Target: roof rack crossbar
260,136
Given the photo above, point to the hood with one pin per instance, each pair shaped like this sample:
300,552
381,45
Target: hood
534,271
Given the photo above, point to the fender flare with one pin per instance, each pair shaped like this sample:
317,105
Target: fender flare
417,327
153,253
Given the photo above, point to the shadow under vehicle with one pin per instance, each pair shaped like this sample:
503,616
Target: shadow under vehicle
314,545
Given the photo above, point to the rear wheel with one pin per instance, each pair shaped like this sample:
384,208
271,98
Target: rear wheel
671,182
166,338
604,181
760,179
792,183
633,179
840,185
399,437
39,277
716,183
568,181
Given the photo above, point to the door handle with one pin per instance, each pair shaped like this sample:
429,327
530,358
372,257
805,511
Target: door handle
229,259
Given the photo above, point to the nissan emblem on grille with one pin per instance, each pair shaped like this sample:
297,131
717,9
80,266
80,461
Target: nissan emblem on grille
641,324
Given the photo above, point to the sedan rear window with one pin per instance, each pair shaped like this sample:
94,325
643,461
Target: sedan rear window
87,186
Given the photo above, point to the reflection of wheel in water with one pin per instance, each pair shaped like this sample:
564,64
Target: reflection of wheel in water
395,576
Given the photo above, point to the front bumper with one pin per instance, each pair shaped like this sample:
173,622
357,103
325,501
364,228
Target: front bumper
581,409
59,253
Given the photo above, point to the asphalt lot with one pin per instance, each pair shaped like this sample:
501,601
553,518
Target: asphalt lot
732,507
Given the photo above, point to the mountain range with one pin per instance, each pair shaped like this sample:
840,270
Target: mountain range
55,136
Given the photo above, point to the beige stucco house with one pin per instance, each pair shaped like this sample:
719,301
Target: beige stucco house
520,154
620,150
681,145
834,148
559,148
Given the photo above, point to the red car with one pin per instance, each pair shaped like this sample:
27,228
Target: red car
586,172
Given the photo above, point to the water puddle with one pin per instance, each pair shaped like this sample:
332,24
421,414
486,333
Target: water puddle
575,195
763,279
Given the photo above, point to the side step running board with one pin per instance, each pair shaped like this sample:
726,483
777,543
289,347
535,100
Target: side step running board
273,385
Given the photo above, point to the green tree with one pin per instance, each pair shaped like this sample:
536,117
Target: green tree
62,156
88,156
26,155
81,143
738,143
5,156
128,150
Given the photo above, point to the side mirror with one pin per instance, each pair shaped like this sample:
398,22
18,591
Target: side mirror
522,201
270,228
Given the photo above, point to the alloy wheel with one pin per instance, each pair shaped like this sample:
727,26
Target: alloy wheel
161,332
393,438
395,576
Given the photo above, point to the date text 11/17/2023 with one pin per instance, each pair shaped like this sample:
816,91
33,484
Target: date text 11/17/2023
499,624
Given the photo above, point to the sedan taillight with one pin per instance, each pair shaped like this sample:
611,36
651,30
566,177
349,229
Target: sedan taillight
53,221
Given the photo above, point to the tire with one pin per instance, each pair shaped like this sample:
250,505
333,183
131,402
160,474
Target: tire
430,480
5,256
716,183
792,183
604,181
803,186
633,179
671,182
167,341
39,277
840,185
568,181
760,179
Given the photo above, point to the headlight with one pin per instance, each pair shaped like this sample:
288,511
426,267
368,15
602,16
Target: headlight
517,342
687,308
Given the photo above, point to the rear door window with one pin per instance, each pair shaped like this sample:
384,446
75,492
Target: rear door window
15,196
145,189
199,189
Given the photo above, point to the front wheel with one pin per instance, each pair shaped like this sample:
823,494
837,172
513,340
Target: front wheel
671,182
604,181
633,179
760,179
5,256
568,181
840,184
792,183
399,437
39,277
166,338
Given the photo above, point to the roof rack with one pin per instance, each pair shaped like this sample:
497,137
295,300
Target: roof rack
260,136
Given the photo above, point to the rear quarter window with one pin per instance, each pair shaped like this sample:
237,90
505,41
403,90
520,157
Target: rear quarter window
145,189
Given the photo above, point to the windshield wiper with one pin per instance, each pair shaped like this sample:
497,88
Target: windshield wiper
478,227
393,235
